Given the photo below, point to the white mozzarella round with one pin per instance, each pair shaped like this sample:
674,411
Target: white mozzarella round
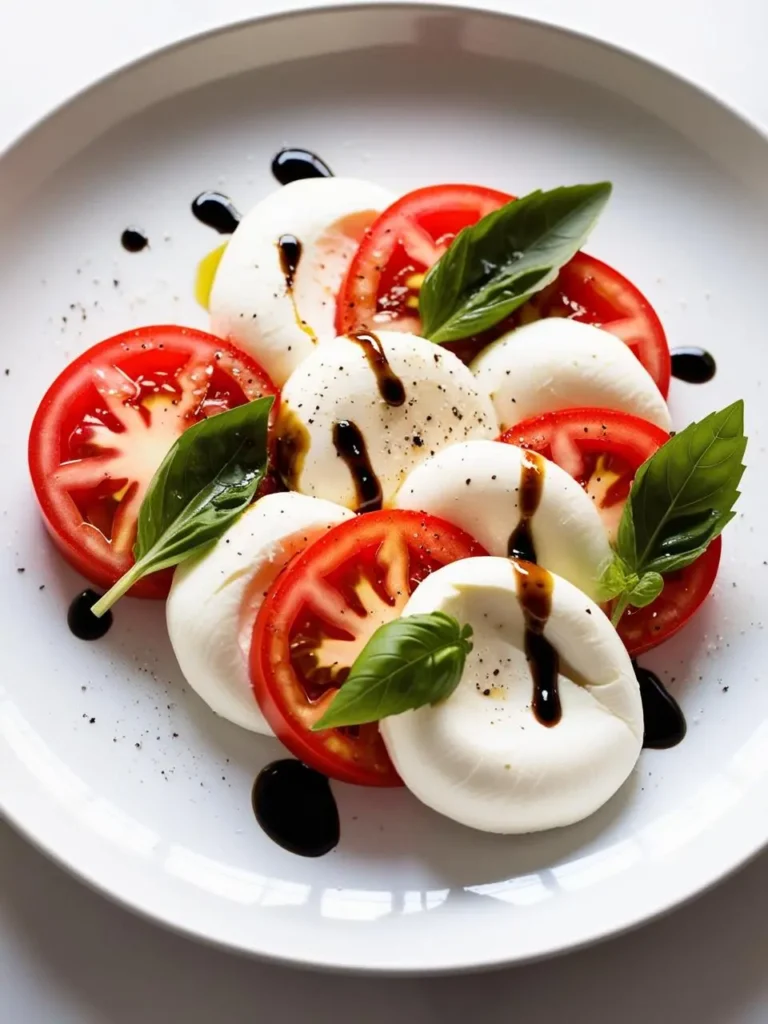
477,485
557,364
342,383
482,757
215,598
251,302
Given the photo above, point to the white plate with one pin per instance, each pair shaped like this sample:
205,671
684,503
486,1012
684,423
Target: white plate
91,768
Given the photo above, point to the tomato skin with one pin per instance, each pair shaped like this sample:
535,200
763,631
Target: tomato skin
629,441
346,553
425,221
233,378
684,592
593,292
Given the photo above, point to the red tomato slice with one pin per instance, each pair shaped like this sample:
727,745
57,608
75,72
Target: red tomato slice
381,287
318,616
104,426
603,450
589,290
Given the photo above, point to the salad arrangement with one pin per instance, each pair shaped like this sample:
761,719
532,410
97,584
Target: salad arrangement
415,504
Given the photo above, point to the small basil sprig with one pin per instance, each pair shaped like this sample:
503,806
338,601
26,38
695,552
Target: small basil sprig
204,482
495,265
681,499
407,663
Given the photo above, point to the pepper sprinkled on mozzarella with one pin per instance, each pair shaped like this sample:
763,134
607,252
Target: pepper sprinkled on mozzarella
546,723
214,598
275,289
362,411
513,502
557,364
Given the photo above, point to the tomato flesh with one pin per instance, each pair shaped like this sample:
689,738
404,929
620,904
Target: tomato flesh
590,291
105,425
381,287
603,449
318,616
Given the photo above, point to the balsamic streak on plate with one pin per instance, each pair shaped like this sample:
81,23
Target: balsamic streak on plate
693,365
296,164
133,240
664,720
296,808
82,622
216,211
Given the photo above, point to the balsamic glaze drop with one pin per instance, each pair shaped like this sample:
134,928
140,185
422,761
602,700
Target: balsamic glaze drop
534,592
350,446
133,240
216,211
296,164
81,622
693,365
296,808
664,720
390,386
289,248
520,543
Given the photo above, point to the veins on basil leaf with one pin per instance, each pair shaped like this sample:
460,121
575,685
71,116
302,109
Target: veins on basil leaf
680,500
495,265
407,663
208,477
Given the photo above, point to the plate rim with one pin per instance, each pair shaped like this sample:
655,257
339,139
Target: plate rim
362,965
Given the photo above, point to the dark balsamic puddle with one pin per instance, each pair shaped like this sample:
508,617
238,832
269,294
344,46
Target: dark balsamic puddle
664,720
82,622
693,365
296,808
291,165
133,240
216,211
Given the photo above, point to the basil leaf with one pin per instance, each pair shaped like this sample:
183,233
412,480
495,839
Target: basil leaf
681,499
206,480
495,265
407,663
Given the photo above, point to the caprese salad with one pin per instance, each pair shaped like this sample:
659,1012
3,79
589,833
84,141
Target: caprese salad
415,503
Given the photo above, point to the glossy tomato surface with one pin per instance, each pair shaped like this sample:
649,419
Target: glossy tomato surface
381,287
590,291
106,423
318,616
603,450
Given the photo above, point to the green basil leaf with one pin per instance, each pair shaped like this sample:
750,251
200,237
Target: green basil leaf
495,265
646,590
407,663
614,579
206,480
683,496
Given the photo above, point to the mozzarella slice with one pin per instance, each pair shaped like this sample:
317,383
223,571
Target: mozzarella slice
360,413
478,486
214,599
265,304
559,364
482,757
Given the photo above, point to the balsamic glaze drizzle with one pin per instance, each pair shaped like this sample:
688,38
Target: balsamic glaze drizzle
520,543
693,365
534,592
133,240
216,211
390,386
296,808
289,248
350,446
664,720
296,164
82,623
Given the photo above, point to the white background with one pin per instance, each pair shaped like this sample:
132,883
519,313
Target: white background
66,955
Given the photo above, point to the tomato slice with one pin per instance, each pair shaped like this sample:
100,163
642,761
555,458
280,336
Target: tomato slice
104,426
381,287
603,450
320,613
590,291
